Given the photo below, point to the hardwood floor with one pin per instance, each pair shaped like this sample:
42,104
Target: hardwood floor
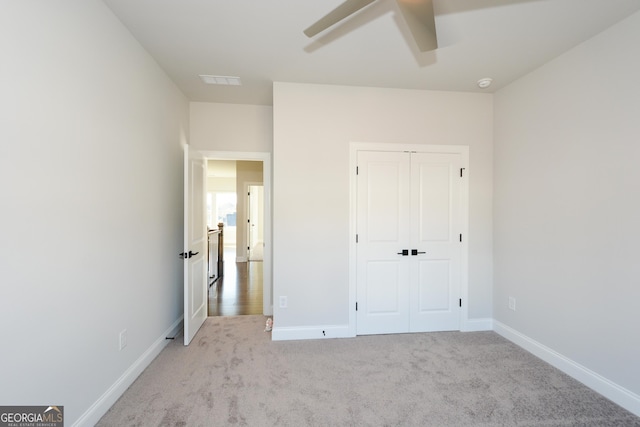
239,290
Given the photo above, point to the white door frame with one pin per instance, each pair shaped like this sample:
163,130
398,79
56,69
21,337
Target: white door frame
267,267
463,150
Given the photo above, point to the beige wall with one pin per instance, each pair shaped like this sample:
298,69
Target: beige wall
566,207
231,127
221,185
313,127
91,181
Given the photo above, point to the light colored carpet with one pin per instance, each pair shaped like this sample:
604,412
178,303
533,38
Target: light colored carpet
233,374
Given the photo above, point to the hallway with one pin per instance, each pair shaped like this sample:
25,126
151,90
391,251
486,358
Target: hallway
239,290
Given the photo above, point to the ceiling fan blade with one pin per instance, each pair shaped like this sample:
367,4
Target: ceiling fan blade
418,15
347,8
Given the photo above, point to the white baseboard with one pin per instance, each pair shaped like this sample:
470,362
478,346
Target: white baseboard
102,405
310,332
476,325
612,391
342,331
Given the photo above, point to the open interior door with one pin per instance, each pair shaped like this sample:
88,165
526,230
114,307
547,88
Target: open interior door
255,232
195,244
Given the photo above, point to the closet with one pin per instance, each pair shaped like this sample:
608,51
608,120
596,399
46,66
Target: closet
410,218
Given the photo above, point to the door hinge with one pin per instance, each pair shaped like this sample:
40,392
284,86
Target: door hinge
356,306
461,237
461,170
356,170
356,238
248,248
460,302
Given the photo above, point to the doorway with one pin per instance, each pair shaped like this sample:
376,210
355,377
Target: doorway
244,287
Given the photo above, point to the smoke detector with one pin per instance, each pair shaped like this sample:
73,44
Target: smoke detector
485,83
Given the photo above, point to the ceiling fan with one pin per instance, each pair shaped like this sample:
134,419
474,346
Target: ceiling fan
417,14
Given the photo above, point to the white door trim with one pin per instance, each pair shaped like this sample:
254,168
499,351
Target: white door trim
267,267
463,150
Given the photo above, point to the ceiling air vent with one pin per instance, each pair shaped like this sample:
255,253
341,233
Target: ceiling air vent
221,80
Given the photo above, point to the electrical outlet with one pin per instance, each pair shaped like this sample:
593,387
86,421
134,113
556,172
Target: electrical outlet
123,339
283,302
512,303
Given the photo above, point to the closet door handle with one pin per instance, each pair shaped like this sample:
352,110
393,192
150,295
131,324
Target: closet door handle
415,252
404,252
193,254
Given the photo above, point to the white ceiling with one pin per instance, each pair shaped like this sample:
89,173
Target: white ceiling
261,41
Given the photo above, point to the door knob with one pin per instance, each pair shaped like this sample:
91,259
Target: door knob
415,252
404,252
193,254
